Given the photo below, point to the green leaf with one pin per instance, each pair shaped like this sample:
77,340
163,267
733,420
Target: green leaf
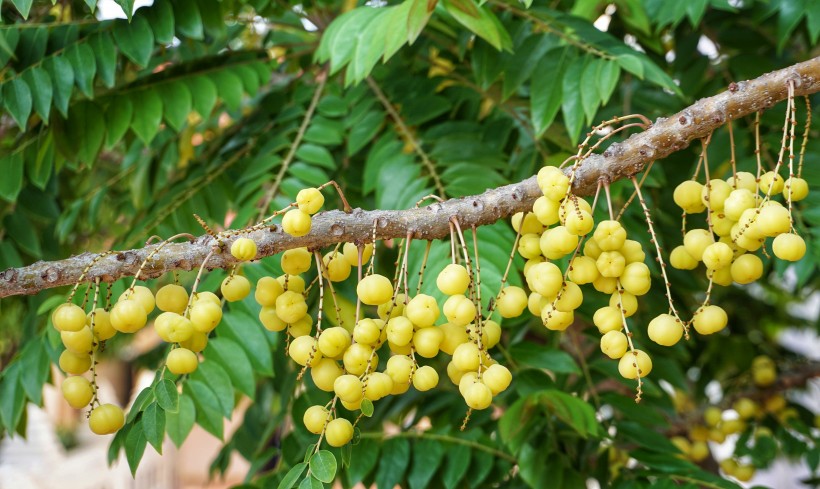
364,459
480,21
17,97
318,155
571,410
458,460
12,397
349,33
161,18
235,361
208,407
520,66
188,19
143,399
135,443
82,60
362,133
37,78
368,47
203,95
153,425
86,130
167,395
35,364
394,461
397,20
118,116
106,57
247,332
62,77
23,6
39,168
292,476
147,114
590,95
323,466
419,12
179,424
540,356
117,443
539,473
211,374
135,40
367,407
127,7
176,102
545,89
250,81
571,105
92,4
608,81
632,64
311,483
229,87
427,456
21,229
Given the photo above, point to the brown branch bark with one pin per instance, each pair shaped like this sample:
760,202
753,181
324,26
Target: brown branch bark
620,160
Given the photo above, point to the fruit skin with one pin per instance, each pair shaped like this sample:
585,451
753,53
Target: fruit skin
142,295
68,317
626,366
106,419
614,344
81,341
128,316
665,330
235,288
425,378
422,310
315,418
339,432
688,196
303,350
746,269
243,249
375,290
497,377
102,324
291,306
710,319
172,298
511,302
268,289
296,222
182,361
349,388
310,200
296,261
478,396
789,247
77,391
74,363
334,341
796,188
205,316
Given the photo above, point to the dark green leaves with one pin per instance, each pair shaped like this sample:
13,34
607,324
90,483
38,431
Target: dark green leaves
480,21
86,130
188,19
147,114
23,6
176,101
541,356
208,407
323,466
127,7
62,77
546,88
167,396
394,461
235,361
135,40
81,57
153,425
179,424
18,100
38,79
135,443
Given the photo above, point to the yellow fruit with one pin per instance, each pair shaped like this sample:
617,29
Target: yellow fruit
771,183
296,222
665,330
315,418
205,297
610,264
205,316
478,396
710,319
636,279
337,268
356,357
106,419
351,253
744,180
712,416
399,368
81,341
368,331
583,270
377,386
268,289
607,285
74,363
546,210
545,278
789,247
324,373
303,350
511,302
339,432
609,235
182,361
579,223
291,306
77,391
687,196
296,261
526,223
614,344
453,335
425,378
773,219
529,246
715,193
68,317
310,200
557,242
699,451
796,188
453,280
625,301
696,241
422,310
681,259
569,298
349,388
399,331
717,256
243,249
745,407
460,310
746,269
427,341
173,328
553,183
102,328
556,320
172,298
334,341
196,343
607,319
634,364
374,290
128,316
497,377
466,357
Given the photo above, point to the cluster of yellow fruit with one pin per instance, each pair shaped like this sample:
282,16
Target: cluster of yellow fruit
610,262
741,214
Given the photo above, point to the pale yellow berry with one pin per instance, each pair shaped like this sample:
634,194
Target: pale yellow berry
789,247
552,182
268,289
425,378
746,269
610,235
453,279
235,288
709,319
315,418
665,330
583,270
243,249
795,189
427,341
296,261
687,196
296,222
374,290
526,223
172,298
511,302
635,364
310,200
422,310
614,344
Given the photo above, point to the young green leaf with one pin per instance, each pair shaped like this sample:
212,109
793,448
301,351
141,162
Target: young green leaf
167,396
86,130
367,407
153,425
323,466
203,95
208,407
229,87
161,18
105,55
38,79
211,374
23,6
118,117
135,444
546,88
127,7
18,100
179,424
571,104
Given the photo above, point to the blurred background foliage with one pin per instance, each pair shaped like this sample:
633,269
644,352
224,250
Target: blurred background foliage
114,130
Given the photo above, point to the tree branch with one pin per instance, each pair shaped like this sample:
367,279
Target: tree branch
620,160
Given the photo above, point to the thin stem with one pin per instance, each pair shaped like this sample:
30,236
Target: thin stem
423,266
